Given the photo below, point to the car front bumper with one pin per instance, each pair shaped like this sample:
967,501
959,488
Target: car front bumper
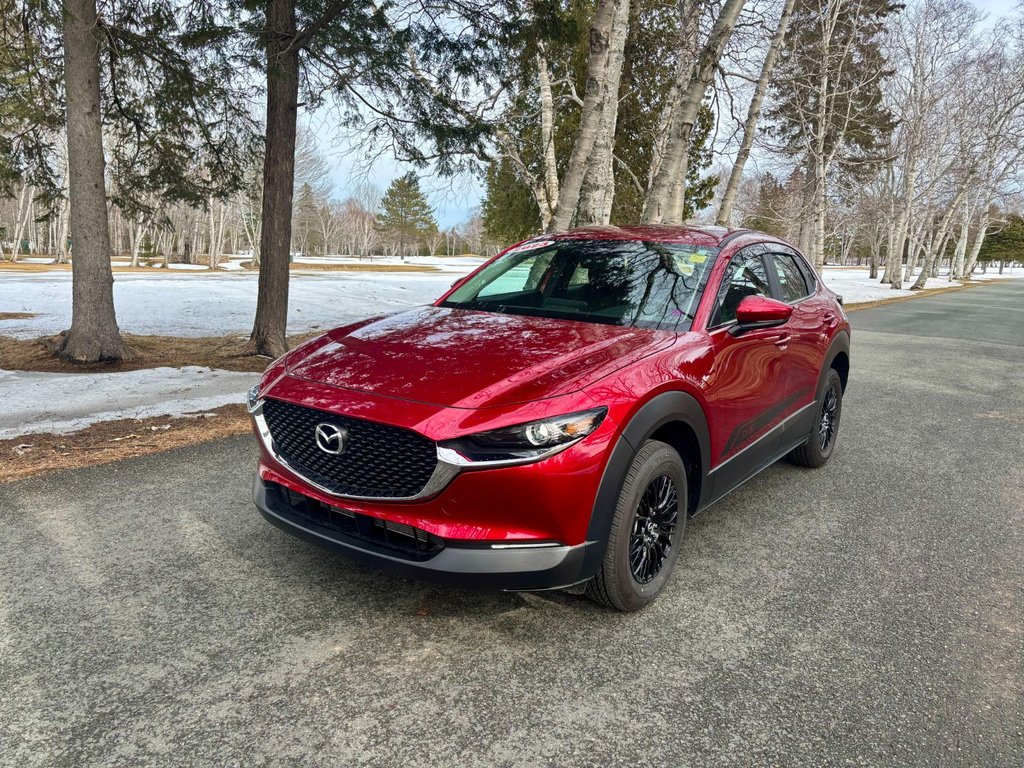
481,565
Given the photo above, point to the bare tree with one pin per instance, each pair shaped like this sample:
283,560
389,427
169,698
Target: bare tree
753,115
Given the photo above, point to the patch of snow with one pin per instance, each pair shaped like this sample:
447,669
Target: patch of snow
217,303
166,302
856,287
64,402
189,267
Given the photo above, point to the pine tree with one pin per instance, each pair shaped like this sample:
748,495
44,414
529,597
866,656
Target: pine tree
509,210
1005,244
151,103
405,214
768,213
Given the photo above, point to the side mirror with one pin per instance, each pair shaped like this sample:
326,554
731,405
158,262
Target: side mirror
759,312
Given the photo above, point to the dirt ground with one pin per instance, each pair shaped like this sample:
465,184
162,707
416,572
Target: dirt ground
147,352
115,440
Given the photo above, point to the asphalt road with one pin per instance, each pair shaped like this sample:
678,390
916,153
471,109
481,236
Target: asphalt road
870,613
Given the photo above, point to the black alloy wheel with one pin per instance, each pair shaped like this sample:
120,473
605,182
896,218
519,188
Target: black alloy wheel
654,526
821,441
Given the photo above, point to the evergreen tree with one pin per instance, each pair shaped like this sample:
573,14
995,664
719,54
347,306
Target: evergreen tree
405,214
149,95
768,213
850,66
509,211
1005,244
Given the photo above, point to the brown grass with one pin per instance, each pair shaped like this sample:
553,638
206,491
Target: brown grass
16,315
367,267
147,352
115,440
19,266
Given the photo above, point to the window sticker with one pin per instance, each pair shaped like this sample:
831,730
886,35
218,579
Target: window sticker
532,245
684,268
699,257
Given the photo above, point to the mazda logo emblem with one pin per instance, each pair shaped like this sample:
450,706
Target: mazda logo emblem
331,439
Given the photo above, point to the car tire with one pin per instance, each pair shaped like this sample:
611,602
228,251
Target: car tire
821,442
646,532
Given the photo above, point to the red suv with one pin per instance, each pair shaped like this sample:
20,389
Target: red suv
554,419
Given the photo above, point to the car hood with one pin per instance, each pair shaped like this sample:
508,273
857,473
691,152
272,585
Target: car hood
466,359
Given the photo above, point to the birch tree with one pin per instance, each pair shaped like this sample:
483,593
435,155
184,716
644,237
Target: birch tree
753,115
664,201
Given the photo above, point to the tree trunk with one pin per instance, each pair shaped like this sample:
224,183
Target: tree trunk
975,250
590,113
269,328
62,243
22,215
664,191
134,236
753,114
956,264
547,137
94,335
598,192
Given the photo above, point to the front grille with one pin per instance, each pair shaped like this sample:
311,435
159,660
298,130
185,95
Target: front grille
397,538
379,461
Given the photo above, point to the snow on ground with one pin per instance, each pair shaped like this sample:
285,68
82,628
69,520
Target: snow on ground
217,304
224,303
854,285
65,402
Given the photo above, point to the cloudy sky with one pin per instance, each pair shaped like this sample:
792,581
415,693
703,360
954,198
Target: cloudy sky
454,199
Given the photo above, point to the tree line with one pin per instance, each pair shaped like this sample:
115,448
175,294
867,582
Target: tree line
847,126
363,224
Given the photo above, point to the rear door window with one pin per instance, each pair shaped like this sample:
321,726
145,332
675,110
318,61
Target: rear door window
792,284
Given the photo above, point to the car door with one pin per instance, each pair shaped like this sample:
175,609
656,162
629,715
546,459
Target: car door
746,388
795,284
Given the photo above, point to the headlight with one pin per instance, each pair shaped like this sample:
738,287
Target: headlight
252,397
522,443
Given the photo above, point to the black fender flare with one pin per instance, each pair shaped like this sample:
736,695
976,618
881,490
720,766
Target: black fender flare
658,411
841,343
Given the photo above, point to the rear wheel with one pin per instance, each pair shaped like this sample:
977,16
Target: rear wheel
646,532
822,440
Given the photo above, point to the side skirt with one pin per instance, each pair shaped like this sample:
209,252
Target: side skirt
788,434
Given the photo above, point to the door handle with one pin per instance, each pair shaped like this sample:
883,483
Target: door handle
829,317
782,342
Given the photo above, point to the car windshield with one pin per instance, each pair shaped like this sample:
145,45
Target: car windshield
617,282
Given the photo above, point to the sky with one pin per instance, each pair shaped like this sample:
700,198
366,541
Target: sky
453,200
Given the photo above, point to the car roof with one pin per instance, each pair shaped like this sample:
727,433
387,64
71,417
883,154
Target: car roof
711,237
700,236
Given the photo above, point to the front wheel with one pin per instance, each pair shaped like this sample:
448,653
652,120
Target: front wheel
646,532
822,440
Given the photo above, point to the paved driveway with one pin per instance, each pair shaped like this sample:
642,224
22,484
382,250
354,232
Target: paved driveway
867,613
